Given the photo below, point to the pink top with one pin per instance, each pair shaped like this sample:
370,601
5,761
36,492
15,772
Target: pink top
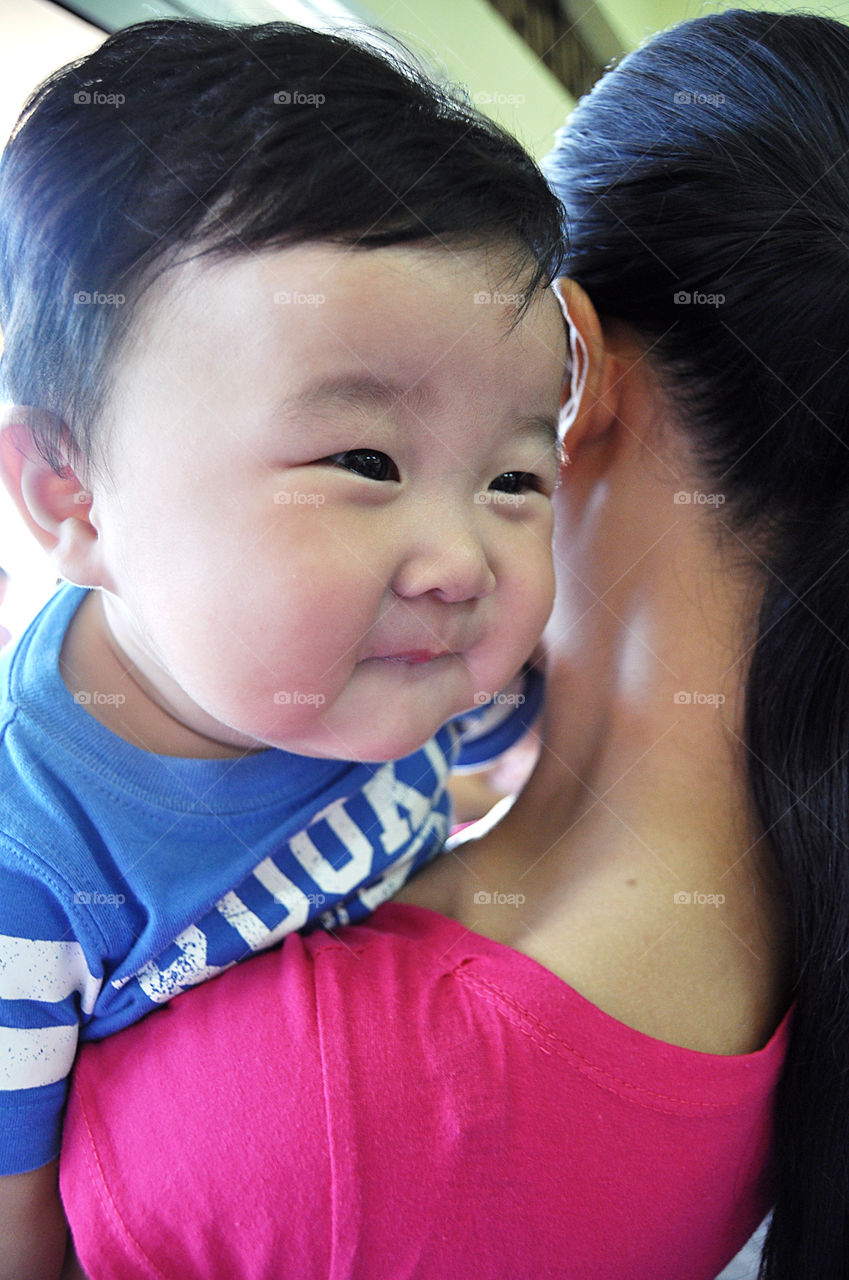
409,1100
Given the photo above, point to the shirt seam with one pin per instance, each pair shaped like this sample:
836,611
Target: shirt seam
49,876
98,1178
132,798
543,1035
548,1041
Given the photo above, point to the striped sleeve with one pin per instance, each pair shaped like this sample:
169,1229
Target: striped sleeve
46,987
489,730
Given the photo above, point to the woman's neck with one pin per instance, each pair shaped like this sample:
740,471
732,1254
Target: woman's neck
631,864
643,753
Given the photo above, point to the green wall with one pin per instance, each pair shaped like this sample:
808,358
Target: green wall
469,42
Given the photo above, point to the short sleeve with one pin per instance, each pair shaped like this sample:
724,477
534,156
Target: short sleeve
46,987
489,730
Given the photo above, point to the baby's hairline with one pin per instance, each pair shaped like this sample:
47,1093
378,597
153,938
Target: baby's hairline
176,267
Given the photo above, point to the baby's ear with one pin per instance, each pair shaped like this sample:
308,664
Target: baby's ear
55,504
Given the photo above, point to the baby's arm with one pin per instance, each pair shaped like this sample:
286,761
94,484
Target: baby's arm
44,983
33,1230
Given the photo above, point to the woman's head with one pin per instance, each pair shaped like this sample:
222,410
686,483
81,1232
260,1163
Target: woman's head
706,186
706,182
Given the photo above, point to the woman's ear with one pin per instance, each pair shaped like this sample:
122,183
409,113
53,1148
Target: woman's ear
589,403
55,505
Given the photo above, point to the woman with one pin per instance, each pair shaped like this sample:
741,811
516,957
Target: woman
569,1072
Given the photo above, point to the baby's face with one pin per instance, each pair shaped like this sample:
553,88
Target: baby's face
327,516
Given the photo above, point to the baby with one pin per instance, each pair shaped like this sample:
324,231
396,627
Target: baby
286,380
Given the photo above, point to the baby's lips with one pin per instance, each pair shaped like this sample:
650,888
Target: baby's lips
411,655
422,648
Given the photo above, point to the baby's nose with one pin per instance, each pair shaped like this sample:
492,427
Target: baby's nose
449,560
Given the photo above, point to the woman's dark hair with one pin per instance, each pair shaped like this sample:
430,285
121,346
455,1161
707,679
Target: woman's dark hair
706,187
182,138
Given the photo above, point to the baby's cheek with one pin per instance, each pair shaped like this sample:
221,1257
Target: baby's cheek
525,607
536,586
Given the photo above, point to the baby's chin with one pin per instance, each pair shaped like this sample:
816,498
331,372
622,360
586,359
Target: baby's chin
375,739
390,714
372,748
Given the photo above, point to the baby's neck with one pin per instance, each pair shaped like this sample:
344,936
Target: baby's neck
129,702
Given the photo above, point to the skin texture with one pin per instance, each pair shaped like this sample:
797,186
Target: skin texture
637,796
32,1227
258,588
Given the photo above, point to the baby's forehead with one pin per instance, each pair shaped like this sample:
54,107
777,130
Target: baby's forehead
257,343
310,281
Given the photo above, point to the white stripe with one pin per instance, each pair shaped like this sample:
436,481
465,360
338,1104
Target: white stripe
389,883
389,796
437,759
188,970
33,1057
49,971
342,825
246,923
285,892
317,863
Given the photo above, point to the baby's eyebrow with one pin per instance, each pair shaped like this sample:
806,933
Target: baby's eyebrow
358,391
545,426
366,390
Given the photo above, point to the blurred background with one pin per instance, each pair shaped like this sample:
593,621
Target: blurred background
525,62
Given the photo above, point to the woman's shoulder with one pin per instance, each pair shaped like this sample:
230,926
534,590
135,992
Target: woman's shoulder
480,1075
425,947
699,970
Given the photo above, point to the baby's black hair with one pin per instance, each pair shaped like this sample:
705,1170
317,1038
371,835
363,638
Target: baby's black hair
176,139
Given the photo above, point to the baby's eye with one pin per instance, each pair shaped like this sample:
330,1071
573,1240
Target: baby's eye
516,481
371,464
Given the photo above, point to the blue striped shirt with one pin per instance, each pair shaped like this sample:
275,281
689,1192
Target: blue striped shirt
127,877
